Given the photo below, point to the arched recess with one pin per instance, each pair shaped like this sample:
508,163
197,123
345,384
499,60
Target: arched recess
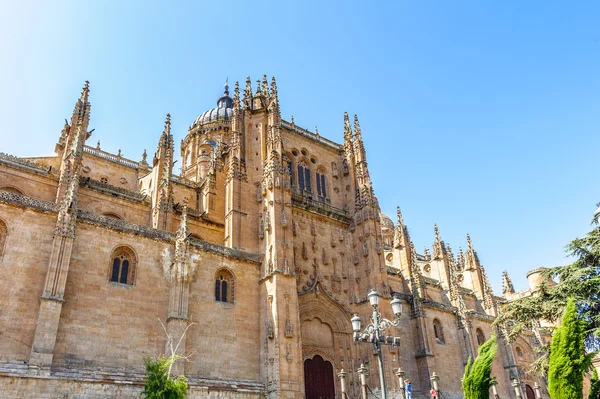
12,189
313,306
3,237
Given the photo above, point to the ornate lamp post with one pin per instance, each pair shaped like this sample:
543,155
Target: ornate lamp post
373,333
342,374
538,390
400,374
517,387
434,381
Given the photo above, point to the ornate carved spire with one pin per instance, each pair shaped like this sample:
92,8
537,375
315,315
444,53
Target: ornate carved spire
507,285
273,88
416,283
471,261
438,250
488,294
248,94
236,97
460,262
358,141
265,86
399,231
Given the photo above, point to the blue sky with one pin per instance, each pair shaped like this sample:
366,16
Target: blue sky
480,116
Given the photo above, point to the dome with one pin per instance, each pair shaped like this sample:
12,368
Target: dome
386,222
222,112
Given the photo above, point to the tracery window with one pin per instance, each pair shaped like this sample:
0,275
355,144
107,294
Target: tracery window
123,265
438,331
3,236
519,352
224,286
480,336
304,177
321,190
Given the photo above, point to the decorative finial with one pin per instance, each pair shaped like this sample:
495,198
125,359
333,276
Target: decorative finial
507,285
399,214
227,86
98,145
469,242
248,89
257,87
144,156
236,96
86,91
265,86
292,120
347,128
316,130
357,131
273,87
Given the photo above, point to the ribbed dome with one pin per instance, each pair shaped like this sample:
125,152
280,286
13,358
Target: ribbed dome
386,222
222,112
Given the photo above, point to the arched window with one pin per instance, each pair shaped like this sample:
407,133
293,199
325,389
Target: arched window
123,265
188,158
480,336
519,352
12,190
3,236
304,177
438,331
224,286
321,191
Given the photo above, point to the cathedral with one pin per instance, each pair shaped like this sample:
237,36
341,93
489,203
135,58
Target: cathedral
250,264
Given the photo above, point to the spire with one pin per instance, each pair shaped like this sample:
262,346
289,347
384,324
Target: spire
265,86
460,261
85,92
273,87
182,232
399,231
471,261
347,129
236,96
358,141
248,93
437,245
507,285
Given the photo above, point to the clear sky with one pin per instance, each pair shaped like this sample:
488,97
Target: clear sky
480,116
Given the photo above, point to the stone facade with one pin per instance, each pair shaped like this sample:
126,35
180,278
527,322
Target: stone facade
267,244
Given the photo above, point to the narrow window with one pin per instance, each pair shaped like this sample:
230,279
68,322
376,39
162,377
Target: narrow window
301,176
307,179
115,270
224,286
3,237
438,331
480,336
124,271
321,192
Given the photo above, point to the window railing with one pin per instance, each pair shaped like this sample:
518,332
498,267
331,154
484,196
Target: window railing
304,200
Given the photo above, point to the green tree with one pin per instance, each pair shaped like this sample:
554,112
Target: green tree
568,358
158,384
477,376
594,386
579,280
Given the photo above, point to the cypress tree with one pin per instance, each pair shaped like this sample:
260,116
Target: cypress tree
568,360
477,376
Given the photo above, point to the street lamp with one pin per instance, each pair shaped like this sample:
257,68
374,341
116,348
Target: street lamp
373,332
400,374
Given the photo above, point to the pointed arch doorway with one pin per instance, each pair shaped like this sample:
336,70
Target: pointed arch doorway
318,379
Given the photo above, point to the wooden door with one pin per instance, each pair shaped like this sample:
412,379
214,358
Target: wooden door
318,379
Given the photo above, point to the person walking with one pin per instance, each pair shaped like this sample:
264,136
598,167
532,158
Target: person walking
408,389
433,393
